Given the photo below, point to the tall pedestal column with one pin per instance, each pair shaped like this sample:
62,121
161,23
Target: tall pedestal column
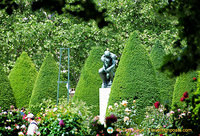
104,94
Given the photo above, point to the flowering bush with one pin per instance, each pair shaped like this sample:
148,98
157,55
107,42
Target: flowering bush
65,119
12,122
126,114
156,121
185,118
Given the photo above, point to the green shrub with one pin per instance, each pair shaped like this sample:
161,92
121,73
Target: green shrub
6,93
197,96
66,119
22,78
135,77
184,83
89,83
46,84
165,83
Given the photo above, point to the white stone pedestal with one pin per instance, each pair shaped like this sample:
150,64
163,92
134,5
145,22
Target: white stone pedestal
104,94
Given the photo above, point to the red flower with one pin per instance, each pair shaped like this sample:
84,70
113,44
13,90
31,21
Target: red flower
185,95
182,99
194,78
157,104
161,134
61,123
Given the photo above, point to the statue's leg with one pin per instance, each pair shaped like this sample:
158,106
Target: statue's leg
102,74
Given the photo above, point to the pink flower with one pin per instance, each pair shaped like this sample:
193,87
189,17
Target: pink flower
61,123
164,126
178,110
156,104
185,95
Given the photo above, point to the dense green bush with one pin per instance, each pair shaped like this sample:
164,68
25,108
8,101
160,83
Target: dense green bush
165,83
88,86
135,77
46,84
22,78
66,119
6,93
184,83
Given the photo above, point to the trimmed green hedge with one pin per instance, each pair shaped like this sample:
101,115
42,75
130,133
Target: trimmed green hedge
183,83
22,78
135,78
6,93
89,83
46,84
165,83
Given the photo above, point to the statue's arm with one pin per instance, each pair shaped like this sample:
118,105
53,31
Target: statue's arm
113,63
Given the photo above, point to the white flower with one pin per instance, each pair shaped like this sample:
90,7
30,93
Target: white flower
10,113
126,118
147,116
9,128
171,112
168,114
17,127
152,119
182,114
55,109
134,101
127,110
4,112
41,108
110,107
23,126
21,134
116,105
124,103
161,110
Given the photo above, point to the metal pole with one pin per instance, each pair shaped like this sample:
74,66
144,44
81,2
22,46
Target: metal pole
68,78
59,76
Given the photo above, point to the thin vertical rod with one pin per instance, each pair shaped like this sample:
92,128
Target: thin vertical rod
59,76
68,78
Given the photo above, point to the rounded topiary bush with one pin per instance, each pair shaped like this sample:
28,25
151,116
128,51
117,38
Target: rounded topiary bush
184,83
135,78
6,93
89,83
22,78
165,83
46,84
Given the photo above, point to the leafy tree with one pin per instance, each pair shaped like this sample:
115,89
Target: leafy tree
22,78
46,84
6,93
188,58
184,83
88,86
165,83
135,77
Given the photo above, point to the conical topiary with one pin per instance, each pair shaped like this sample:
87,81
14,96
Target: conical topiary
165,83
135,78
89,83
6,93
184,83
22,78
46,84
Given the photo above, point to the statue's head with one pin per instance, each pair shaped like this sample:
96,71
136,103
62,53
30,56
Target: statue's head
107,53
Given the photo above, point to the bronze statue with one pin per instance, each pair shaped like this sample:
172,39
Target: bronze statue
107,71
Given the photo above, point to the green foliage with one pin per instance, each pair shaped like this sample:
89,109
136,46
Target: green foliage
184,83
165,83
6,93
46,84
22,78
197,95
68,118
88,86
135,77
41,32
